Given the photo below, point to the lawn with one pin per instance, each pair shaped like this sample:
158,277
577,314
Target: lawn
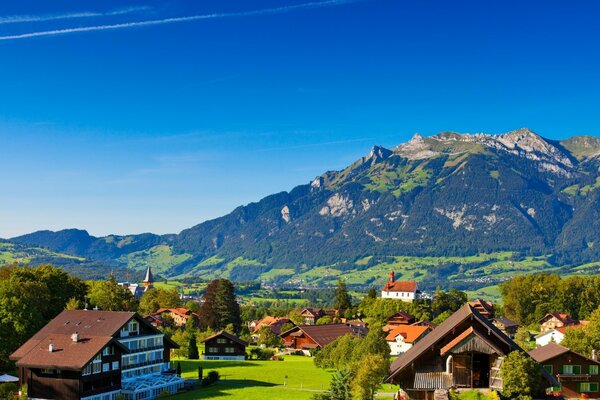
295,378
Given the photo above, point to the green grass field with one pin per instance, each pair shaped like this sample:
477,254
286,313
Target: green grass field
295,378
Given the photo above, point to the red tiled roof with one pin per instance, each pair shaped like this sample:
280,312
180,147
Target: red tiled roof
410,333
400,286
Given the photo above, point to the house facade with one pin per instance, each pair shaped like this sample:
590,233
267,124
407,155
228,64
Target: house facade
224,346
179,315
97,355
403,337
465,351
399,290
312,314
577,375
556,320
401,318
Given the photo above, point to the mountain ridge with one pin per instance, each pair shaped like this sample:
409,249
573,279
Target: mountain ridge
449,194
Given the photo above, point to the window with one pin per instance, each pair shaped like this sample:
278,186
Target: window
572,369
593,370
115,365
108,351
587,387
548,368
105,367
213,350
221,340
229,350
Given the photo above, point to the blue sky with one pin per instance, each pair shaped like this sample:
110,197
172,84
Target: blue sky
159,126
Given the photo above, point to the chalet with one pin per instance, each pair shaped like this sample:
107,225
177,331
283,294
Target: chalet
507,326
224,346
180,315
309,337
401,318
484,307
312,314
399,290
97,355
274,323
577,375
465,351
403,337
556,320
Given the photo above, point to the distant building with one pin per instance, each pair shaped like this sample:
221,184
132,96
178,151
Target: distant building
399,290
224,346
309,337
97,355
179,315
578,376
403,337
138,290
312,314
556,320
401,318
551,336
507,326
274,323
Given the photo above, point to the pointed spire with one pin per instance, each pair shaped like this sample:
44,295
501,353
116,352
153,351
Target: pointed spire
149,279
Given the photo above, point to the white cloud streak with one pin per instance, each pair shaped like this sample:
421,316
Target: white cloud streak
15,19
266,11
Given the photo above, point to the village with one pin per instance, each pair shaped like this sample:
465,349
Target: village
468,349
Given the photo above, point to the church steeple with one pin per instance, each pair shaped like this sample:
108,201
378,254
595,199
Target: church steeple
149,279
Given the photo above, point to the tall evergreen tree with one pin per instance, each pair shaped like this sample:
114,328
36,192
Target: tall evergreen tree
342,298
193,348
220,307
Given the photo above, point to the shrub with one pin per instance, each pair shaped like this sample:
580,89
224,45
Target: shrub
7,389
211,378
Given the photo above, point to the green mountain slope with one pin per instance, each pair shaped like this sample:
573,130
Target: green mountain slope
450,195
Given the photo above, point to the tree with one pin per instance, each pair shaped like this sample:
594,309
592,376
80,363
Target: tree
110,296
327,319
340,385
267,338
369,376
520,376
523,339
29,298
577,340
193,306
193,348
168,298
527,298
156,298
220,306
342,298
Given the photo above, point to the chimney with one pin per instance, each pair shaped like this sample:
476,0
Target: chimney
595,355
50,347
75,337
391,276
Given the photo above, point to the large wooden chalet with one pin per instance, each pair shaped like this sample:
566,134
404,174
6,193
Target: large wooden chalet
465,351
97,355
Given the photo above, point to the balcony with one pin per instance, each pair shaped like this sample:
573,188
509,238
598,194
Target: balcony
573,377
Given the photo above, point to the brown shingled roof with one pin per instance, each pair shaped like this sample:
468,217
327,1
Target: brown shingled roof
547,352
228,336
327,333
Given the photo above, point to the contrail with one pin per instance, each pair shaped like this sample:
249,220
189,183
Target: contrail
265,11
84,14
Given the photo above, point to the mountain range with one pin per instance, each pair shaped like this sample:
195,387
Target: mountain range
502,198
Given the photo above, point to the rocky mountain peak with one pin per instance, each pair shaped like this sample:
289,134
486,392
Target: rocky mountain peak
378,153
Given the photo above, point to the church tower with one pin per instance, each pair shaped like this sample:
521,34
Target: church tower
149,279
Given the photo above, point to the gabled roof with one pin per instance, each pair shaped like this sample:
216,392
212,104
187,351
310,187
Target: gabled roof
325,334
410,333
552,350
442,332
551,332
562,317
181,311
401,316
314,311
466,336
228,336
400,286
